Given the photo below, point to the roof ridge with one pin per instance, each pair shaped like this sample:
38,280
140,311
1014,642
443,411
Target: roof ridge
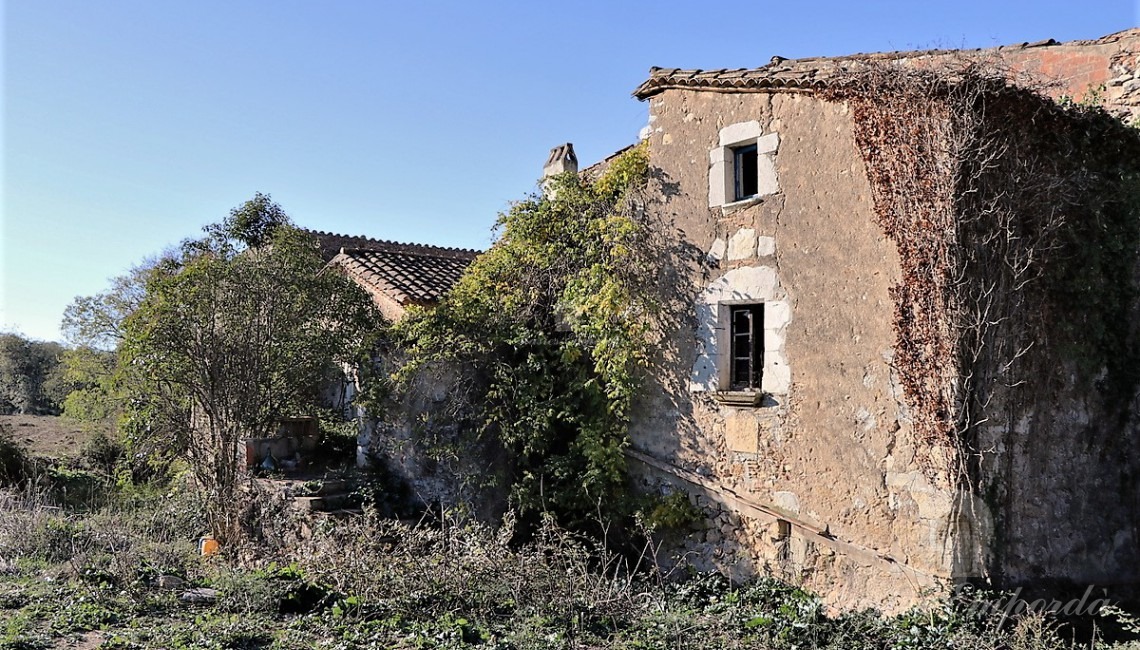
800,73
364,243
419,250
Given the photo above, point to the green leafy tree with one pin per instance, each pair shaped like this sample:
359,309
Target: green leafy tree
98,389
253,223
97,321
30,379
92,394
553,327
119,396
238,331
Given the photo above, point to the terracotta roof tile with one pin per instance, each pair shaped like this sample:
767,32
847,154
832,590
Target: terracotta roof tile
332,243
815,72
405,276
406,273
805,74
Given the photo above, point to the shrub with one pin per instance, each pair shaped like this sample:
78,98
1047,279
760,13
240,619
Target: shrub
102,453
17,467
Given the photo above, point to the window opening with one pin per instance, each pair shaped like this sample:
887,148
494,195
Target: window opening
747,353
783,529
746,172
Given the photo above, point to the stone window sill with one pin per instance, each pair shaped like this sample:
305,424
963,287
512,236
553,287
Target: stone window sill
735,206
742,398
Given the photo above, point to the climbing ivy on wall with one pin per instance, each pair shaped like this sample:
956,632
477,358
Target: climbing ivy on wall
1017,222
546,338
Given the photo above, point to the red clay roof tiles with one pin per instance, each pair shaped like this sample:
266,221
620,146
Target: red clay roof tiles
407,273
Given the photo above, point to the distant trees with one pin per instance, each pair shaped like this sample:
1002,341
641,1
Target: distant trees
90,377
96,321
30,376
93,328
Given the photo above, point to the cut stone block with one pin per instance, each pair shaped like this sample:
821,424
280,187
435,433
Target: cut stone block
742,245
742,433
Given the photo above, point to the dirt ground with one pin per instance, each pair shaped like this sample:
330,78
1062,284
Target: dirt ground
48,435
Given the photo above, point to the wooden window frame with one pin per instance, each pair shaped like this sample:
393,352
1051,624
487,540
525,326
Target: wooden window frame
745,172
746,347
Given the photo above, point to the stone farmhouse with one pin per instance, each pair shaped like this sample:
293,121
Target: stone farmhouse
397,276
911,356
887,384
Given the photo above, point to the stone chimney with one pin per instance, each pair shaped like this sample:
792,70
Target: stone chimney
561,159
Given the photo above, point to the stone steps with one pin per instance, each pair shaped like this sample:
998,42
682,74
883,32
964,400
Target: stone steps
329,495
327,503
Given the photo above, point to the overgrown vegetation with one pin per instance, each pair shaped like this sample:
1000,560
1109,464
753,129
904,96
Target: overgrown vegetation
127,569
17,467
212,343
235,332
544,340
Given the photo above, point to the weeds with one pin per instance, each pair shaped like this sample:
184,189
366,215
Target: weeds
443,581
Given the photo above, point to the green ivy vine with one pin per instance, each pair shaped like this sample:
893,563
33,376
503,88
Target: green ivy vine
546,338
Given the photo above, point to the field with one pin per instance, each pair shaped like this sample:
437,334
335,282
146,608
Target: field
49,436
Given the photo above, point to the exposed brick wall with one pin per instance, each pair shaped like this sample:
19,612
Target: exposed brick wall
1110,66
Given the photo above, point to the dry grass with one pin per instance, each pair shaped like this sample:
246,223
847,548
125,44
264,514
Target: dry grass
295,581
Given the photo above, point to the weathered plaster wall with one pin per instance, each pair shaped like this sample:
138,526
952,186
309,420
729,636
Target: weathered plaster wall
834,449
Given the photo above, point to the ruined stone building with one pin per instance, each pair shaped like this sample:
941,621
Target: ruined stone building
397,276
910,355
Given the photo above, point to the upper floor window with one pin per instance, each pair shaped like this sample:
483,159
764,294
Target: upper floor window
746,177
744,165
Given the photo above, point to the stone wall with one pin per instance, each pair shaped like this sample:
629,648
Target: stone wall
417,440
823,482
1106,70
830,451
1057,441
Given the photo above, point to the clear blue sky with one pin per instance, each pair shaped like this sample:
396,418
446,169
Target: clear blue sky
127,125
